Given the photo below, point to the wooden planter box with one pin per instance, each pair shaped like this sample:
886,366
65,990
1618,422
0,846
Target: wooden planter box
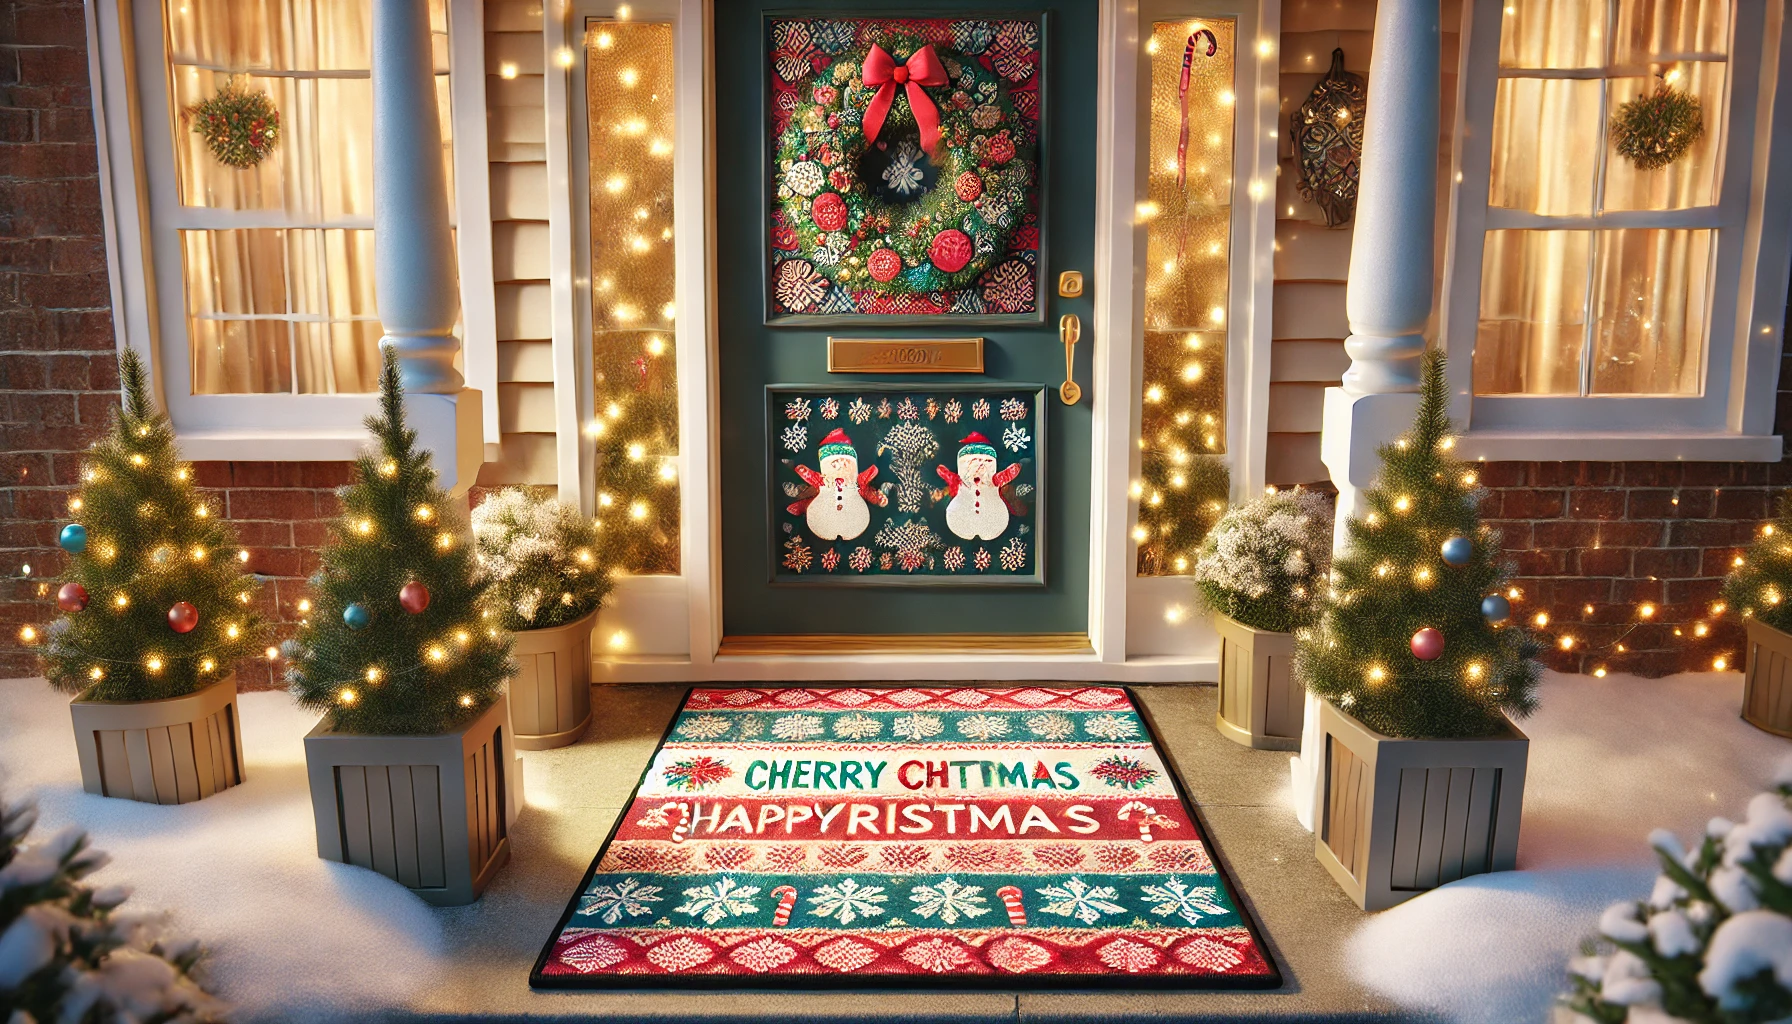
550,695
1403,816
1261,705
432,812
1767,680
170,751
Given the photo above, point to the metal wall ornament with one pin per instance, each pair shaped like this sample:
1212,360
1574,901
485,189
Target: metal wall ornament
1328,141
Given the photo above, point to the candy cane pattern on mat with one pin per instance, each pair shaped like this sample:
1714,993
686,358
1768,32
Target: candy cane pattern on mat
786,903
1147,814
1017,914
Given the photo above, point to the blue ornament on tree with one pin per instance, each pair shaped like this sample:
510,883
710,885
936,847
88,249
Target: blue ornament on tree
1458,550
73,538
1496,608
356,616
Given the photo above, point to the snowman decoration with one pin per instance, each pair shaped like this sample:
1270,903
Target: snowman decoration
977,510
841,507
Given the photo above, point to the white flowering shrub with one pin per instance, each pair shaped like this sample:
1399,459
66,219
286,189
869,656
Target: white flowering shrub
1713,942
541,558
67,956
1264,562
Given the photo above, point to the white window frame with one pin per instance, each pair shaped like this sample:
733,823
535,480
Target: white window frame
144,259
1732,418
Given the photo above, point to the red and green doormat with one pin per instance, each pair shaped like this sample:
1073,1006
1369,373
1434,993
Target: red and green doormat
971,836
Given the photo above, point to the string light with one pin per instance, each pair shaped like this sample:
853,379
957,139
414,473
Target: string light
243,555
153,663
1720,663
273,653
28,634
138,460
121,600
304,605
466,700
1599,673
207,664
364,527
425,513
374,674
232,631
347,696
96,673
436,652
444,540
388,468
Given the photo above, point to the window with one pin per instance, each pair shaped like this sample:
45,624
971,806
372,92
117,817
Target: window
276,259
1603,296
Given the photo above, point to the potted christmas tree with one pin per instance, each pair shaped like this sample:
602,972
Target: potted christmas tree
1421,668
1760,588
156,614
1261,573
539,558
411,768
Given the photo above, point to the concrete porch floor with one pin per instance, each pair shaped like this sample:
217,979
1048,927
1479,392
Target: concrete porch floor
295,938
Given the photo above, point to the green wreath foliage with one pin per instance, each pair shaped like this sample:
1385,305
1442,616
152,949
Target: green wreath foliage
1654,130
239,125
985,173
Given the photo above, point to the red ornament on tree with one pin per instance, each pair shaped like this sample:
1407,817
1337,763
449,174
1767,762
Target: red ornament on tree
413,597
968,186
1427,644
884,265
828,211
183,617
950,251
72,597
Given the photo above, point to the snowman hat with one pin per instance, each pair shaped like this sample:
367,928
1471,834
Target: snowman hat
976,444
837,443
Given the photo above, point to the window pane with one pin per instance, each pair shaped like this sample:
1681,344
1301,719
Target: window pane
1187,214
1542,159
1553,34
240,356
629,99
280,35
1533,313
337,358
1649,291
1665,30
1688,181
239,272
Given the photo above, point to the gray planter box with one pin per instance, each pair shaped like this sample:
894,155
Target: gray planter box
170,751
1261,705
550,695
1403,816
1767,680
432,812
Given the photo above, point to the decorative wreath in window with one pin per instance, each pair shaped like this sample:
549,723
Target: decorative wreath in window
905,169
238,124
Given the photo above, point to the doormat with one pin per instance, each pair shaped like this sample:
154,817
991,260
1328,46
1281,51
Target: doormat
965,837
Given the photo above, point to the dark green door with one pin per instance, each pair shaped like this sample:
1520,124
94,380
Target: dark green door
1006,554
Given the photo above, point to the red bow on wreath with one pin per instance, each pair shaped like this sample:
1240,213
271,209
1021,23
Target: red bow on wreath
883,73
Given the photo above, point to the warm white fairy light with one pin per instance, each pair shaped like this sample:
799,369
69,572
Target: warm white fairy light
373,674
347,696
28,634
207,664
96,673
121,600
153,663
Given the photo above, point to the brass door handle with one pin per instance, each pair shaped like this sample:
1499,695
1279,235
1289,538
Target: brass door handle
1070,329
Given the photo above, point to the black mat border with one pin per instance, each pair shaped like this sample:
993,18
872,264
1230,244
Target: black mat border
953,983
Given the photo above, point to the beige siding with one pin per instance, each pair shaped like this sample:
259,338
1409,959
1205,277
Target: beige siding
516,130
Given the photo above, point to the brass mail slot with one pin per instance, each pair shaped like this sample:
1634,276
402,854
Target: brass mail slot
905,355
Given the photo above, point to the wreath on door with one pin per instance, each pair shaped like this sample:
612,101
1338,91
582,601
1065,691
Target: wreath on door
905,168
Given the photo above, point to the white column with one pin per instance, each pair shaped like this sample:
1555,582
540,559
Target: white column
1388,299
415,277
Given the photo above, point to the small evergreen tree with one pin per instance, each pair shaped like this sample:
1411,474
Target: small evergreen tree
1760,585
541,557
64,954
155,602
1414,640
397,642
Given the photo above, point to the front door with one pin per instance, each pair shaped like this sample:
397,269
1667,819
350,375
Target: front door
899,191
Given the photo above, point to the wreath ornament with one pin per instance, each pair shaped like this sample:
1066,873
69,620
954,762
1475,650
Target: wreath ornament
239,125
1656,129
905,170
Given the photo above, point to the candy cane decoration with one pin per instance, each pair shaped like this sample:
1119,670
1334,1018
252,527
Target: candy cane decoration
1188,65
1017,914
1146,814
684,821
786,903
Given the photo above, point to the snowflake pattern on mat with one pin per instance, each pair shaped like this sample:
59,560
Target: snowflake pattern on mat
937,955
798,409
798,727
857,726
954,410
722,898
981,560
1015,438
609,903
917,726
1014,409
751,727
694,773
680,954
980,409
1050,725
1177,898
858,411
848,901
762,955
1208,955
1111,727
860,559
703,727
830,408
1129,956
1077,898
1124,772
1014,554
948,899
795,437
983,727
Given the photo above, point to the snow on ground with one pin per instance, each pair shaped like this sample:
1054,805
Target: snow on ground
1610,760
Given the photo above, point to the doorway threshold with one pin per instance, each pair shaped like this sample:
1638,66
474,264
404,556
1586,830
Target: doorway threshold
799,644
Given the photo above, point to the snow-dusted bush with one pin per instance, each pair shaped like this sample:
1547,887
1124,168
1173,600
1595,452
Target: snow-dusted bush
67,956
541,557
1264,561
1713,943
